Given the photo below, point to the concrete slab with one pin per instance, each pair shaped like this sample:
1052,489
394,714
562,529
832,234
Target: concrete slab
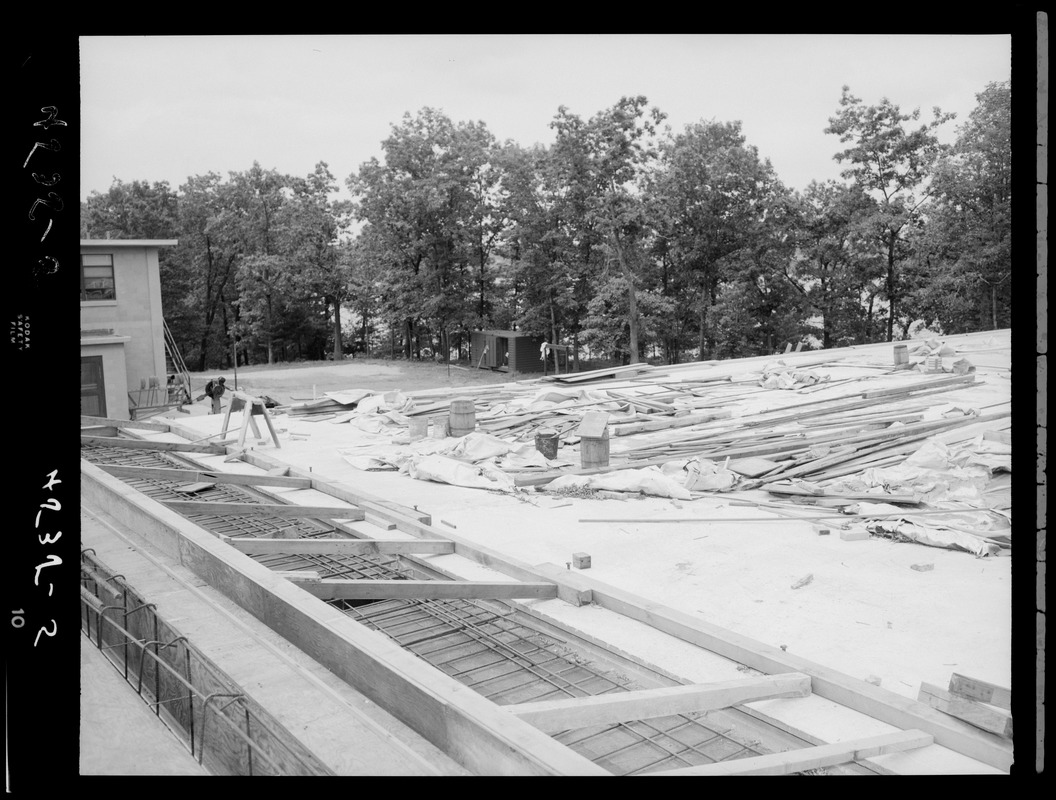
119,735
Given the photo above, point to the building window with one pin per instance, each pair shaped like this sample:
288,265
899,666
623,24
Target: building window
97,277
93,392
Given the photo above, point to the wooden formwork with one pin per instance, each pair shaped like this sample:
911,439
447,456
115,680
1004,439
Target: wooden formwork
486,738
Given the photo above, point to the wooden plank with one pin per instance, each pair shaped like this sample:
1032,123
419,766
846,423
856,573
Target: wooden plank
342,546
593,424
379,589
276,509
953,380
125,423
553,716
752,467
989,718
240,478
142,444
983,691
856,694
99,430
367,501
825,755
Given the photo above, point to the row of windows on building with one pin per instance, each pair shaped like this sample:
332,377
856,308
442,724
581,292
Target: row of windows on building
97,277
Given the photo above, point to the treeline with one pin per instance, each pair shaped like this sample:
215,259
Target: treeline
622,238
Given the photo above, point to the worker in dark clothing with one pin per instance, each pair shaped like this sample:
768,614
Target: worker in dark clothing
215,390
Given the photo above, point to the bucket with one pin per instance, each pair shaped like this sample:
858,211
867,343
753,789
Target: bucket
462,417
546,442
933,364
594,451
417,428
901,355
439,428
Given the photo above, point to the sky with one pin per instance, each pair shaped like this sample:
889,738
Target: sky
164,108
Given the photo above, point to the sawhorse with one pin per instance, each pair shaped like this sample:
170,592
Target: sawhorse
250,407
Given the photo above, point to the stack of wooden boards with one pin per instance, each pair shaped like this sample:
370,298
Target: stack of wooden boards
979,703
772,438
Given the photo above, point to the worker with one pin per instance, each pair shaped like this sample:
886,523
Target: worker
215,390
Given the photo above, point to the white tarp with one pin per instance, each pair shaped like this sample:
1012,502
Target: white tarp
458,473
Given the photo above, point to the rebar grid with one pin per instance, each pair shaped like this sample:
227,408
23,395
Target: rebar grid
500,659
193,735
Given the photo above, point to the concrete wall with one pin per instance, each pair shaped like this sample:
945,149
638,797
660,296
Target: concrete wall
136,313
115,380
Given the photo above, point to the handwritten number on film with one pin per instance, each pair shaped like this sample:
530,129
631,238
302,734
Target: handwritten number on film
51,560
53,201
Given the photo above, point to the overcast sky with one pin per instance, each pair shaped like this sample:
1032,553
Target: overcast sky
163,108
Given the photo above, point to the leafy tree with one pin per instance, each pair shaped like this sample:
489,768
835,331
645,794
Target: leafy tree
708,199
257,197
539,243
837,270
419,204
210,248
964,268
312,223
893,165
608,156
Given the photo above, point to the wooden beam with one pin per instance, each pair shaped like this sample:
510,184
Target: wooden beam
99,430
276,509
826,755
553,716
983,691
193,475
989,718
369,589
342,546
162,427
856,694
142,444
366,501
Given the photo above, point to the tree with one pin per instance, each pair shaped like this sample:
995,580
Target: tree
312,224
838,271
210,247
419,204
892,165
709,198
964,269
609,155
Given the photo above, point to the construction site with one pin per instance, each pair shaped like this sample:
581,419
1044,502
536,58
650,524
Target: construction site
793,564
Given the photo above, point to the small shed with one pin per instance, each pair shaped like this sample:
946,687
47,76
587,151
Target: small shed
513,350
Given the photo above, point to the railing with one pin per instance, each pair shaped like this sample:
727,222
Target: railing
179,685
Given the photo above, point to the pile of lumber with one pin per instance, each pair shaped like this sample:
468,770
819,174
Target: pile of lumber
980,703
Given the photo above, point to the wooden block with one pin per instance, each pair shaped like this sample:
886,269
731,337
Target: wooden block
987,717
982,691
822,530
854,536
593,425
581,560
